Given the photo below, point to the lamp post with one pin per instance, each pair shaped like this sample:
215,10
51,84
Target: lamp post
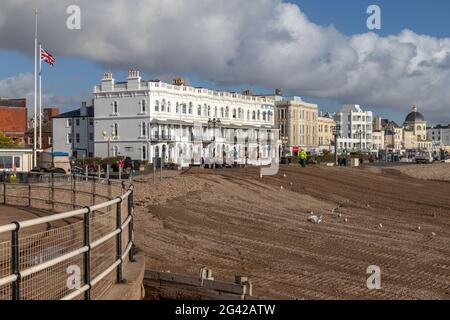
214,123
336,131
108,139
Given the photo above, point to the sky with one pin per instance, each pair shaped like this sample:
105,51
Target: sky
320,50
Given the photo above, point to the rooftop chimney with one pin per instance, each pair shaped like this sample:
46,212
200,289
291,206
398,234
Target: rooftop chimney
247,92
107,82
134,80
83,110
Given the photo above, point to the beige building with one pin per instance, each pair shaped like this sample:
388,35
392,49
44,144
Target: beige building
325,132
378,139
415,132
298,124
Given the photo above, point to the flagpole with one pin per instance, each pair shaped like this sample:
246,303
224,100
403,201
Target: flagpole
35,90
40,96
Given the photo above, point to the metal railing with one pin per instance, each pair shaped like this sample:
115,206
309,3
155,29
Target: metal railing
78,250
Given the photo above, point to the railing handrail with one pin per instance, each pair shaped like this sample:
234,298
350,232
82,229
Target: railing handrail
60,216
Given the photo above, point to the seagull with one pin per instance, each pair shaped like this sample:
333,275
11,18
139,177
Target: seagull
315,219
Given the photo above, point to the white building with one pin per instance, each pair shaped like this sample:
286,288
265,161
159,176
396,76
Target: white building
440,136
73,132
355,129
181,124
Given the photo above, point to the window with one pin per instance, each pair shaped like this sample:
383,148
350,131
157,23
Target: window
91,136
91,121
77,137
143,106
6,162
157,105
77,122
184,108
209,111
199,110
234,113
69,123
248,114
254,115
163,105
144,153
69,138
177,108
115,130
115,107
168,106
143,129
227,112
191,106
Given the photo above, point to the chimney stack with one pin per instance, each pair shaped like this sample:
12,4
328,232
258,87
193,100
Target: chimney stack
134,80
107,82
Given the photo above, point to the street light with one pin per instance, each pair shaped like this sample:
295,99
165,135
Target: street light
336,132
214,123
108,139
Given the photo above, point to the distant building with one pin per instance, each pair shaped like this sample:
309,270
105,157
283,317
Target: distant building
439,136
47,129
415,132
73,132
13,118
298,124
356,129
393,136
325,124
378,140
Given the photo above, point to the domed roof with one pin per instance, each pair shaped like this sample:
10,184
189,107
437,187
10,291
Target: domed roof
414,116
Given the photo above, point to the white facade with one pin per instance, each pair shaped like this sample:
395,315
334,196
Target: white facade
439,135
356,129
73,132
148,119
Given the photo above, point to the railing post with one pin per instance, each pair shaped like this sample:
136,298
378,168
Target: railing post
74,191
130,226
53,191
29,195
119,241
4,191
87,254
15,262
93,191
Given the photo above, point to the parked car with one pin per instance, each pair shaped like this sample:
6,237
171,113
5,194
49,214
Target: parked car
424,158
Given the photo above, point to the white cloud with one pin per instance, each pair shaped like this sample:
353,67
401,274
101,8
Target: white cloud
266,43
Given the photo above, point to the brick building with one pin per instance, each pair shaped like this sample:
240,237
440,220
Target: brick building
47,128
13,118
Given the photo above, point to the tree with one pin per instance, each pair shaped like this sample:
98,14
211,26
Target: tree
7,142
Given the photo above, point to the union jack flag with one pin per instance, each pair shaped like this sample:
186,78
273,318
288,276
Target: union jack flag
47,57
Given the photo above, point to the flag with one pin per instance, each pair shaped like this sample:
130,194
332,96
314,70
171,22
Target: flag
47,57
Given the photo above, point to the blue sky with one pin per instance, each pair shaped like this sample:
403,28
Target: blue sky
73,78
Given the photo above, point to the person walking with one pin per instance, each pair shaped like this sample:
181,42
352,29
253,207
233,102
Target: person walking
303,158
